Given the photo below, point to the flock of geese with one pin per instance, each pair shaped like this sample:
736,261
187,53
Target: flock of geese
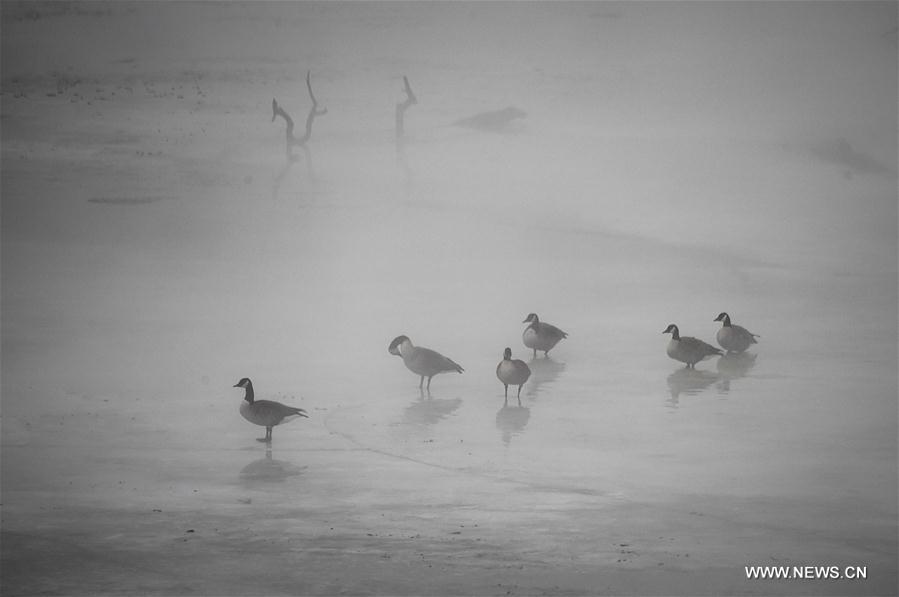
539,335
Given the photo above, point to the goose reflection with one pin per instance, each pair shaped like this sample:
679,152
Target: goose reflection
688,381
511,420
734,366
269,470
543,371
428,411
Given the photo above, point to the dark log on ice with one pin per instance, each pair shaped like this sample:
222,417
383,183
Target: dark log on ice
494,121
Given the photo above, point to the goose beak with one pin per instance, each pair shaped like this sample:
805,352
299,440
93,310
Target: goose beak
237,385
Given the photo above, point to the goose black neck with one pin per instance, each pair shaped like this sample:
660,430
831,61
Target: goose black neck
675,334
249,392
726,321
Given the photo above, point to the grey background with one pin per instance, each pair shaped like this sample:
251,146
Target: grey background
676,160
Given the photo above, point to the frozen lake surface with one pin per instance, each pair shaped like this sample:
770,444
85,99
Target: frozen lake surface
675,161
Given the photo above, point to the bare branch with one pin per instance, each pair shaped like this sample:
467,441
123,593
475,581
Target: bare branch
277,110
309,87
401,107
410,97
314,111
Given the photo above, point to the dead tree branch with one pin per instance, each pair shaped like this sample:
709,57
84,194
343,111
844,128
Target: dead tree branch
411,100
314,111
277,110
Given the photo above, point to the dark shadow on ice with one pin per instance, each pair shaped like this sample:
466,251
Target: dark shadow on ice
495,121
544,370
733,366
269,470
511,420
689,382
428,411
841,153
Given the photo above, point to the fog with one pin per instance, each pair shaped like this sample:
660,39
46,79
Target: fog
675,160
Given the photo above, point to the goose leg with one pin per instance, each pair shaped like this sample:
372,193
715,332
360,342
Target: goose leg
507,389
519,394
535,353
421,382
429,383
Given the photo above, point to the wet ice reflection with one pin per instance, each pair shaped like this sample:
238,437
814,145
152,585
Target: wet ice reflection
427,410
268,470
732,367
689,382
119,322
544,371
511,420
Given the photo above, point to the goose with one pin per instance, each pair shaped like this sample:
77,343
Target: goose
267,413
688,350
422,361
540,335
733,338
512,372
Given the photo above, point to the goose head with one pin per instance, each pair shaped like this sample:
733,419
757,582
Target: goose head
672,329
723,317
247,385
531,318
396,346
507,354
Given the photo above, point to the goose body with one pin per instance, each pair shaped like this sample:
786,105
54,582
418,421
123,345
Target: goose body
424,362
733,338
687,349
540,335
512,372
266,413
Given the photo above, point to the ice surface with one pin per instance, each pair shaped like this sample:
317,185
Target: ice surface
676,160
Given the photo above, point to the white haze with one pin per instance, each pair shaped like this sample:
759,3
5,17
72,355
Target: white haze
676,160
